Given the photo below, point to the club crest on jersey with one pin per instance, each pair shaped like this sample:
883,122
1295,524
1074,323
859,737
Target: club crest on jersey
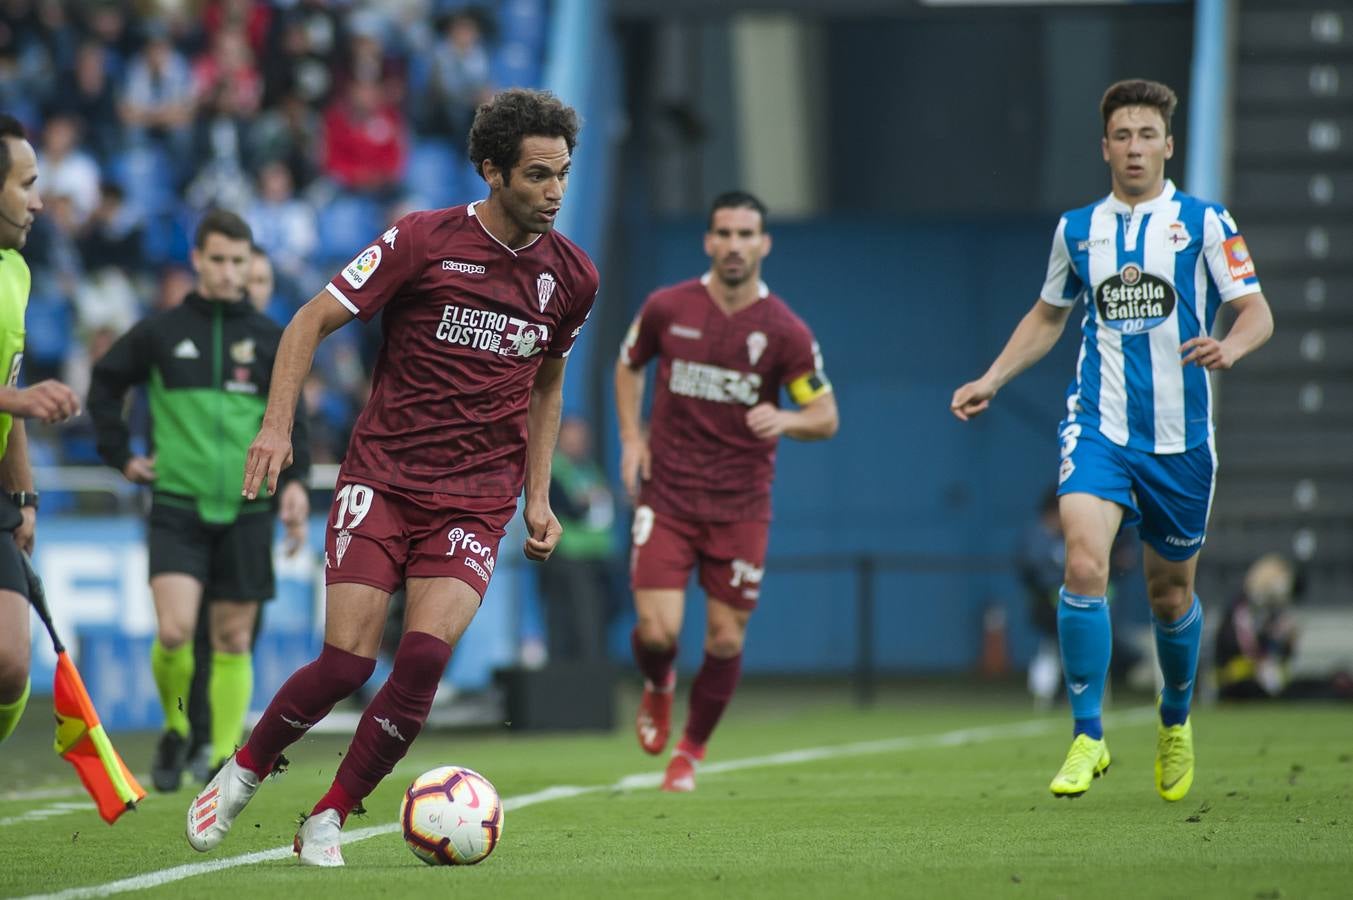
544,289
363,267
1177,236
341,545
1132,301
756,345
242,352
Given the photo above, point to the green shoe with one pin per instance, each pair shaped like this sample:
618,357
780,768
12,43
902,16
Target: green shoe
1174,760
1085,761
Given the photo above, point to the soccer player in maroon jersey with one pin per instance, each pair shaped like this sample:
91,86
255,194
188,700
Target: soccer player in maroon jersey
481,306
701,476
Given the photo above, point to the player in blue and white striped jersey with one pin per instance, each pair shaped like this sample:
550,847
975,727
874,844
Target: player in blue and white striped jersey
1153,265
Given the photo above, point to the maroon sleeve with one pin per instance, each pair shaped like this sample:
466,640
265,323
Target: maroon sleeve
571,325
379,272
644,339
801,354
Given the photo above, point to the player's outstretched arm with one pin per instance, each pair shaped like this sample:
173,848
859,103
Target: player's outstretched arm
270,452
1031,340
635,460
542,431
1251,329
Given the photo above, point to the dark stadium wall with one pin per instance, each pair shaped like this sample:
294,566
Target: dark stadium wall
905,311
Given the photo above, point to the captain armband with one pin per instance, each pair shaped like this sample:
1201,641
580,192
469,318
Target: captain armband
807,388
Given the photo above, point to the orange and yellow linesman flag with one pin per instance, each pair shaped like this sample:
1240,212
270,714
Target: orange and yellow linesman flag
80,737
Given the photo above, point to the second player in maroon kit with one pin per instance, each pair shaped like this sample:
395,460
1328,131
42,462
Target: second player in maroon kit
481,305
726,347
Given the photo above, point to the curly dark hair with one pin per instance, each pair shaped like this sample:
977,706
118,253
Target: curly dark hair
503,122
1138,92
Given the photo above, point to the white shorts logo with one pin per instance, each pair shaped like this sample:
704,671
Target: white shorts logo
643,526
363,267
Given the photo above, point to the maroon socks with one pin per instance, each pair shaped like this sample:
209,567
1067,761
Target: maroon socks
306,698
710,692
655,665
390,722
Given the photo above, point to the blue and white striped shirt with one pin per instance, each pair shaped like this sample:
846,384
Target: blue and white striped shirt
1153,277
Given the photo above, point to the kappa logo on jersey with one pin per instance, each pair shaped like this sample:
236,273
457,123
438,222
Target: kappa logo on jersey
544,289
1134,301
685,331
464,268
363,267
1238,259
482,329
706,382
389,236
756,345
467,542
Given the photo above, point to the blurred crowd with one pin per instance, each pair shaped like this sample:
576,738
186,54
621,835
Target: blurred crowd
319,121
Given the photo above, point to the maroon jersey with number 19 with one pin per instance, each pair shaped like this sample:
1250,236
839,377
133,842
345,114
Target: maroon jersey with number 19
466,323
708,466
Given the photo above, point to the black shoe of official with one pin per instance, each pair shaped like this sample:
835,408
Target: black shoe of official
200,766
166,771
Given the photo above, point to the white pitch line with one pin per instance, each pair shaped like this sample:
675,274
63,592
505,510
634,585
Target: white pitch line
51,793
1029,728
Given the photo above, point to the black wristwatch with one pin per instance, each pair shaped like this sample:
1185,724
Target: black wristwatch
24,498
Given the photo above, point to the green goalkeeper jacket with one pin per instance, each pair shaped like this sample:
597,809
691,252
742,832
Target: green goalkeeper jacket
207,365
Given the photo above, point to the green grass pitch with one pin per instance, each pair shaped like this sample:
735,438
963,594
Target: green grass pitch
933,792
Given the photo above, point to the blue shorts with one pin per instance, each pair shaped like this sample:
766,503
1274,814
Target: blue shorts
1168,495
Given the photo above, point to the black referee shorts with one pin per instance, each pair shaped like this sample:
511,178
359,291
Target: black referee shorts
12,576
233,562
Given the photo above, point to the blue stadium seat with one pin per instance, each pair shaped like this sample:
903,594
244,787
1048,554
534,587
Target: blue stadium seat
346,225
146,174
438,176
49,324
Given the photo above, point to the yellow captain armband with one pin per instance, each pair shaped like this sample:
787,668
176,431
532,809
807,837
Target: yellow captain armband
807,388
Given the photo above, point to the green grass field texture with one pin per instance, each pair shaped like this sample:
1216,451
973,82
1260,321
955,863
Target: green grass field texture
958,808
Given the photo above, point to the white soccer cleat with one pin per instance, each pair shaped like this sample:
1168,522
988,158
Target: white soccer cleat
317,843
213,811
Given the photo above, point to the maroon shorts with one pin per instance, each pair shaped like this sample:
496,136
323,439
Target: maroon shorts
732,556
381,535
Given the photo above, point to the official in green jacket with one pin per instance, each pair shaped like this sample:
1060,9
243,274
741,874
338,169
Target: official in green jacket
50,401
207,364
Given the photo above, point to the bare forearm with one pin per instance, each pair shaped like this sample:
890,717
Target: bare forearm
815,422
15,472
1251,329
629,399
1031,340
295,356
542,431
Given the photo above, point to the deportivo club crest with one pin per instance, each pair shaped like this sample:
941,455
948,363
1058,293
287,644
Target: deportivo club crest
756,345
544,289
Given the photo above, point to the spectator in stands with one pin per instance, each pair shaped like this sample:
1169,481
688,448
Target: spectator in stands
219,148
66,169
365,144
459,79
1257,636
303,47
252,18
90,99
1041,559
286,133
229,67
157,100
286,228
576,584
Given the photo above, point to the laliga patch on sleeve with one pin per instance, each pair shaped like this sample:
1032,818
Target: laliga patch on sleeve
357,272
1238,258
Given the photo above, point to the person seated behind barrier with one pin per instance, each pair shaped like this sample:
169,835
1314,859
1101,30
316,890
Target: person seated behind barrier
1258,635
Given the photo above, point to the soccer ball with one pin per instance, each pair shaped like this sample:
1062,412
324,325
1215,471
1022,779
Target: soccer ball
451,816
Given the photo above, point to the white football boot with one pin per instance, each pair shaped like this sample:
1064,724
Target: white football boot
213,811
317,843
